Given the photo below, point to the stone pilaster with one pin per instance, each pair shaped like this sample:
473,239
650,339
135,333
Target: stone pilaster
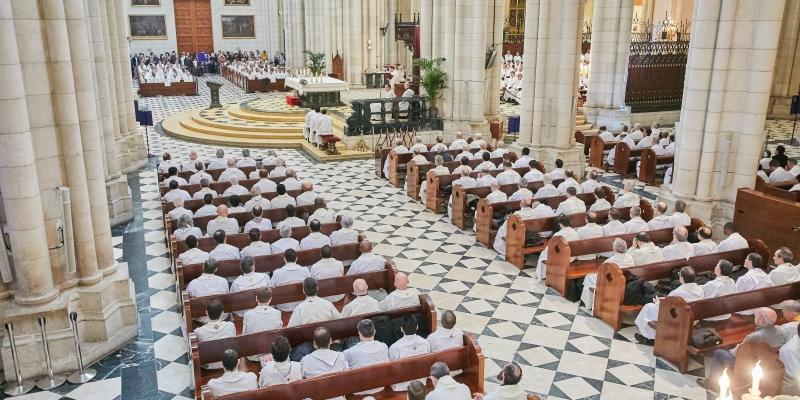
725,99
294,28
786,82
611,38
552,55
123,151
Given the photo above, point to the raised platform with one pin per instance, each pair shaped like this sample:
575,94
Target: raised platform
264,122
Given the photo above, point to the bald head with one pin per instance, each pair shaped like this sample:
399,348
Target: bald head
401,281
765,317
222,210
360,287
307,186
231,163
680,233
365,246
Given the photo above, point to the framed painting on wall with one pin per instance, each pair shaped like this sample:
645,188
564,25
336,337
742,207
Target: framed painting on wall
154,3
237,2
148,27
238,26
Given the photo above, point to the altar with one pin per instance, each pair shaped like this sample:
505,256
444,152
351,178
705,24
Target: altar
321,91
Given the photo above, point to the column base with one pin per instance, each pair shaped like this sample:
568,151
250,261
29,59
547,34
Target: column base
714,213
779,107
572,156
118,196
107,318
611,118
468,127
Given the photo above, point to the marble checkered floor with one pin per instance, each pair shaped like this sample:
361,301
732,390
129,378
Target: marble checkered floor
563,351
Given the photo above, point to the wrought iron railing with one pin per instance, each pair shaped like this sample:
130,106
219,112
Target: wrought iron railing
401,113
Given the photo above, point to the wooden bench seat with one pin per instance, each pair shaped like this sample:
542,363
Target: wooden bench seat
597,150
461,215
242,240
174,89
436,197
677,317
416,174
611,279
216,172
194,205
622,158
752,208
518,228
650,163
398,163
218,187
266,264
273,214
561,271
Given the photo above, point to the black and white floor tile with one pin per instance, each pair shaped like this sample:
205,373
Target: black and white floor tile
564,352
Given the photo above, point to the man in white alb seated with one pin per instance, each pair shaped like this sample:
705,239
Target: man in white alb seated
179,210
204,190
418,145
191,163
721,285
547,190
605,135
688,290
705,245
279,370
569,181
533,174
261,318
220,162
465,153
486,165
231,172
458,143
229,225
444,386
315,239
572,204
256,247
590,230
660,220
439,169
463,166
500,150
280,169
612,227
627,198
313,308
590,184
223,251
291,182
522,192
784,271
439,147
235,188
636,224
367,351
600,202
246,161
755,277
308,195
525,159
208,207
418,158
402,296
680,248
558,172
291,219
733,240
777,173
233,380
175,193
249,279
264,184
367,261
173,176
644,251
270,159
201,174
620,257
257,200
346,234
637,133
509,389
447,336
193,255
679,216
323,360
508,176
409,345
258,221
289,273
362,303
328,267
496,195
477,141
482,150
526,211
282,200
321,212
235,204
398,148
215,327
286,241
566,231
167,163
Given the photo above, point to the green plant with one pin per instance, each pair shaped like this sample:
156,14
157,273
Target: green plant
433,79
316,62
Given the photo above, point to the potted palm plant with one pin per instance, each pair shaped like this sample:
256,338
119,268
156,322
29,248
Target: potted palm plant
316,62
433,80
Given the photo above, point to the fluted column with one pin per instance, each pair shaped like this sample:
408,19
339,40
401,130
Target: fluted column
22,204
99,51
295,33
552,55
90,139
725,98
495,18
786,82
110,81
122,151
135,140
611,44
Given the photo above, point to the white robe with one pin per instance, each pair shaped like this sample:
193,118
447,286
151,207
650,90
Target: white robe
323,362
314,240
705,246
276,373
733,242
224,251
571,205
647,253
253,280
443,339
678,250
361,305
289,273
688,291
541,211
721,286
364,354
262,224
659,222
784,273
344,236
193,256
281,245
569,235
400,299
622,260
448,389
313,309
233,382
215,330
408,346
506,392
328,268
636,225
367,262
229,225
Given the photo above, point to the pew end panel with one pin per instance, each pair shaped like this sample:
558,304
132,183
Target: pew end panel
459,204
596,147
752,208
558,262
194,356
431,192
515,241
747,354
675,322
609,294
412,181
622,158
483,222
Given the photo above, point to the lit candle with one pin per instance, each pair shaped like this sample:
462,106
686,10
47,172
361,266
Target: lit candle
758,373
724,384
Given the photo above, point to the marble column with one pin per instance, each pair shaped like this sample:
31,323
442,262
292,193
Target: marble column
786,82
611,41
22,203
134,140
123,151
725,98
294,28
549,95
69,132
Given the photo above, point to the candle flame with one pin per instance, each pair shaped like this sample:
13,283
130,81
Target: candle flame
758,372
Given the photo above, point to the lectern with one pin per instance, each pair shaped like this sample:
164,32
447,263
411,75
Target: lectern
214,88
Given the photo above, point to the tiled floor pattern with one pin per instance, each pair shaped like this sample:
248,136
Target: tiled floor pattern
564,352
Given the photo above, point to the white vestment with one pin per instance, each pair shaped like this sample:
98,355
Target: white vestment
688,291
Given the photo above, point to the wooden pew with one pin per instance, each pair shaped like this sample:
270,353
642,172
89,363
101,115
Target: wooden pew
215,173
273,214
461,216
518,228
218,187
622,158
435,198
486,230
264,85
650,162
677,317
265,264
611,279
782,193
380,156
242,240
761,183
194,205
398,163
597,148
753,208
747,354
174,89
415,174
